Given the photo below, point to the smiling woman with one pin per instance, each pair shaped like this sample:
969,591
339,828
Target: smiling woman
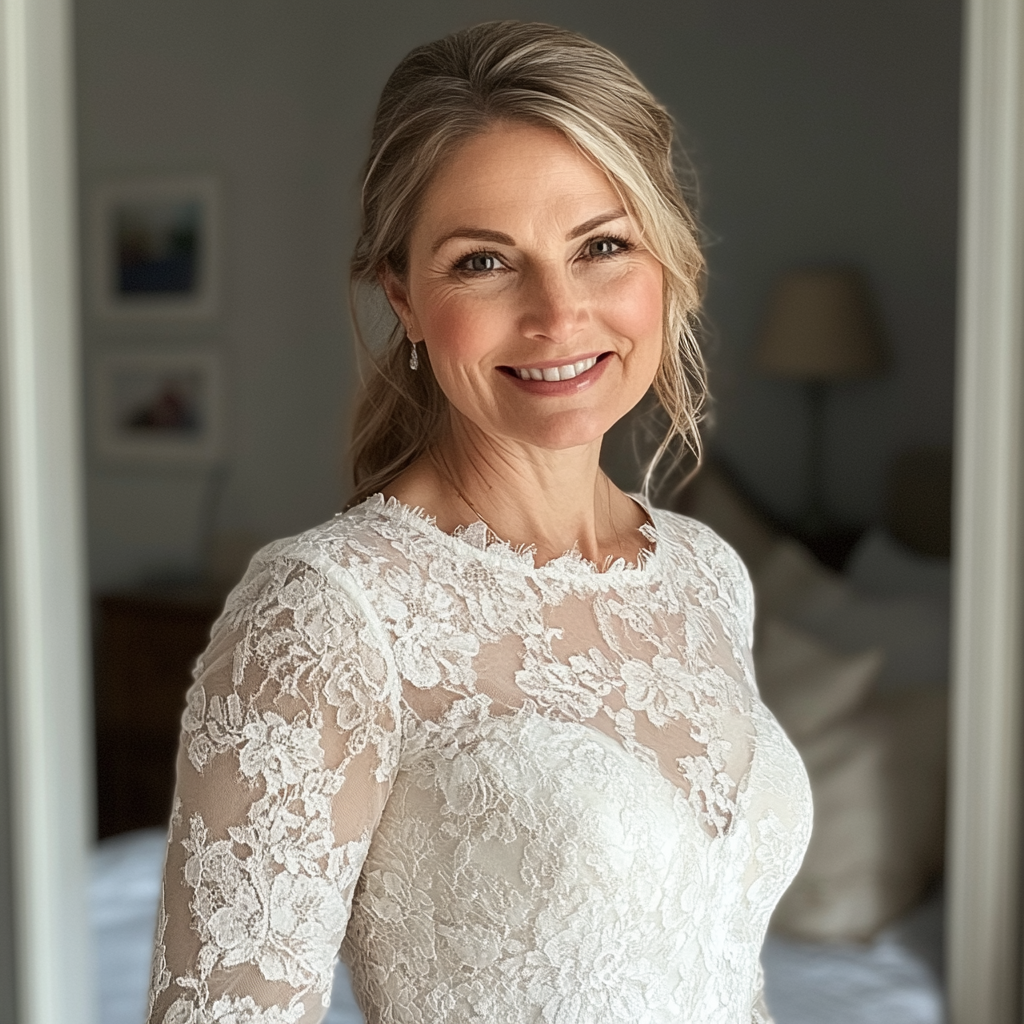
493,731
443,98
543,321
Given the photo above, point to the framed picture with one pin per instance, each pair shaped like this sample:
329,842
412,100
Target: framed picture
154,249
157,407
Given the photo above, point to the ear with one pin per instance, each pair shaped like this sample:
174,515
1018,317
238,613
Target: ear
398,296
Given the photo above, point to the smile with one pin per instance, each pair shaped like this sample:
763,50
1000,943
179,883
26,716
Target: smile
552,373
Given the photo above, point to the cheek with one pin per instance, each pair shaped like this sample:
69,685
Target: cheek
636,310
459,328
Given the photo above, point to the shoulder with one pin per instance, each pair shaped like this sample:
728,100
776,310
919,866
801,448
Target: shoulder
298,639
682,533
694,546
300,616
316,572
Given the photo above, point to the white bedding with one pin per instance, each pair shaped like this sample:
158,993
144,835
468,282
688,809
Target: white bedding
896,979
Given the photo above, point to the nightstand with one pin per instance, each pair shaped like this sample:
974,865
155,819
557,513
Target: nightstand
146,643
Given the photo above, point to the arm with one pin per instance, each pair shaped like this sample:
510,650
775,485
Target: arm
289,745
759,1013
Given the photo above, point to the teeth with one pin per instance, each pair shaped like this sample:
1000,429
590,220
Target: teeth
552,373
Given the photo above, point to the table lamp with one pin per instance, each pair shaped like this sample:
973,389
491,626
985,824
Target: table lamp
819,328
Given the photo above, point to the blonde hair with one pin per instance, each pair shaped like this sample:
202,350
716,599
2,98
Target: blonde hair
450,90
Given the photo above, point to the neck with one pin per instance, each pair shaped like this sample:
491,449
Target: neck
553,501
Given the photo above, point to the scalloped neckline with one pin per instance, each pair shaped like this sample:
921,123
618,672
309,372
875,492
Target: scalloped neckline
478,538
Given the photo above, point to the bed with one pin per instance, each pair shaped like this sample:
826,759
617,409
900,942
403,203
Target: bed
895,978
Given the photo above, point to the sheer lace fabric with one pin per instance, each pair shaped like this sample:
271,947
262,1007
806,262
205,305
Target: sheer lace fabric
508,793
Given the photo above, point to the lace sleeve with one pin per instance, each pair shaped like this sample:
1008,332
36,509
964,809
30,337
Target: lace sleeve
759,1014
289,747
736,578
733,578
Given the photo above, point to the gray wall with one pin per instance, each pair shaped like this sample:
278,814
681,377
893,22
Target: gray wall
820,131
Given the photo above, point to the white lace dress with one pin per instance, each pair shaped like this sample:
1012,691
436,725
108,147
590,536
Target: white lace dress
510,794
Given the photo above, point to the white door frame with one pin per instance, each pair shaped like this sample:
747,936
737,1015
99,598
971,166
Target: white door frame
45,663
43,585
983,876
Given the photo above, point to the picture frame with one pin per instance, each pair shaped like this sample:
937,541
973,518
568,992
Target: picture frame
154,249
160,408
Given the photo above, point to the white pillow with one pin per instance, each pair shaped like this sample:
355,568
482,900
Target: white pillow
789,576
913,633
878,782
880,565
806,685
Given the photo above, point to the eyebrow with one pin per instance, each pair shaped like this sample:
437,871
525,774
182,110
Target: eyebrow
595,222
486,235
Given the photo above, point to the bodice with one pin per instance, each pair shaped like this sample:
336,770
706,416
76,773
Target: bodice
516,793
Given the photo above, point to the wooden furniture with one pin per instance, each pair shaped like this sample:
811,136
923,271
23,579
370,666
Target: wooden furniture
146,643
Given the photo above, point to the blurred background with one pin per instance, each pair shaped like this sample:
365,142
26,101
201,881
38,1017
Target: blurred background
219,153
820,133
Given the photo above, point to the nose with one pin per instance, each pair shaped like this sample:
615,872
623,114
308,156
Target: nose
554,307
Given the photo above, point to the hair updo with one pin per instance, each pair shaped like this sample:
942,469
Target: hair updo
443,94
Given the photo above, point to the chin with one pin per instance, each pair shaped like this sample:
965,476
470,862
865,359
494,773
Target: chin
574,431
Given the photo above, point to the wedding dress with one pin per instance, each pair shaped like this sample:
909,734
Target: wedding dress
509,793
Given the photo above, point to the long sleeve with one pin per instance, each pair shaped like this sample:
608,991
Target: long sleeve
760,1014
289,747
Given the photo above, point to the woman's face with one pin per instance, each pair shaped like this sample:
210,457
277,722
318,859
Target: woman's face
532,291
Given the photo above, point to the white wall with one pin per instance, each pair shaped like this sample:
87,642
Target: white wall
821,132
8,968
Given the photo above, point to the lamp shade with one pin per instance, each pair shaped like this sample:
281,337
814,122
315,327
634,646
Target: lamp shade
820,326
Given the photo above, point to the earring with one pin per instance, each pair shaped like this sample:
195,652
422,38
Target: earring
414,358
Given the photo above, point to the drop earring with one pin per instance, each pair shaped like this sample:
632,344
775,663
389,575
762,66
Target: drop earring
414,358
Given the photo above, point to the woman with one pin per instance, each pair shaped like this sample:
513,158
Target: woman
494,727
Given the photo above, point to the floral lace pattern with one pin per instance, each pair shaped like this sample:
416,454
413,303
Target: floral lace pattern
506,792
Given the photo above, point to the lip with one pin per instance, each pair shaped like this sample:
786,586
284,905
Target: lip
561,387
